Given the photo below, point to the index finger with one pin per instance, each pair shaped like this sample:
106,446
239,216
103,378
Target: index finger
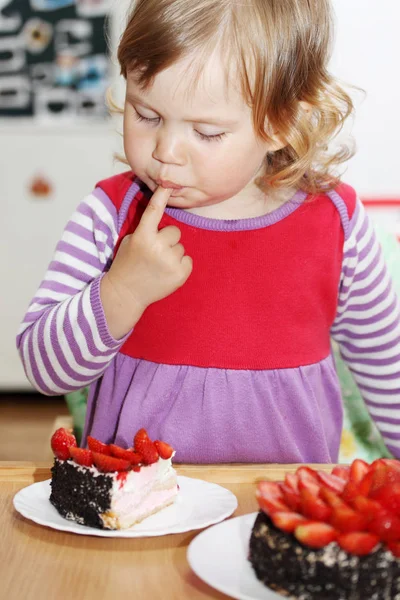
154,211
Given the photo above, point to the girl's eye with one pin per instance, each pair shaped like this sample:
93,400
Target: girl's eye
216,137
152,120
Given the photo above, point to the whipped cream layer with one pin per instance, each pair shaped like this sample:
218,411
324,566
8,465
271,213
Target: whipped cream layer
140,494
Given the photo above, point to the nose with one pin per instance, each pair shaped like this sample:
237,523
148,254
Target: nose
169,148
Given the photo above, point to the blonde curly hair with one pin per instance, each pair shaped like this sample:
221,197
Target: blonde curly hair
281,49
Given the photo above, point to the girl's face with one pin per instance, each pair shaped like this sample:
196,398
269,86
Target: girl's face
196,138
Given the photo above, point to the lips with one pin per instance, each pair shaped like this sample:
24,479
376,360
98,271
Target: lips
165,183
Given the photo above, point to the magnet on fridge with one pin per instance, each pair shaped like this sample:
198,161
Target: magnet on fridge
92,73
15,92
13,51
73,36
9,23
90,104
66,70
55,102
42,75
93,8
37,34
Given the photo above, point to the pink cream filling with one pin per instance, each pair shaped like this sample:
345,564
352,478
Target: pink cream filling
128,513
139,494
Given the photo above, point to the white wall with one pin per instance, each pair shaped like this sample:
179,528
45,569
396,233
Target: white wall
367,54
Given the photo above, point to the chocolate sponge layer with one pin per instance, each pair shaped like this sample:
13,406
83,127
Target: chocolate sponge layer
78,495
329,573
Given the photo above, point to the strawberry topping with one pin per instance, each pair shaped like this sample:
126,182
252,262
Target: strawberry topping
313,507
315,535
292,482
356,506
331,481
341,471
134,457
140,439
368,508
97,446
345,519
164,450
287,521
110,457
271,505
389,497
386,526
331,499
144,446
359,468
81,456
291,498
61,441
359,543
394,548
149,453
110,464
271,489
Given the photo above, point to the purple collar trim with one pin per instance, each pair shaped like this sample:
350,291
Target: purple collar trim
239,224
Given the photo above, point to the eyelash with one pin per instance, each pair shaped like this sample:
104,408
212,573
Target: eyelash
206,138
210,138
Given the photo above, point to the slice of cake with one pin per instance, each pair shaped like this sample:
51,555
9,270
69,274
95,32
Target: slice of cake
331,536
109,487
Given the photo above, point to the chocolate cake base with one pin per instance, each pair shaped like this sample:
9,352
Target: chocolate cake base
78,496
329,573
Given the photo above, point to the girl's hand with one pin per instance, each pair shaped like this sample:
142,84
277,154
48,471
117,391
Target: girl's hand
150,264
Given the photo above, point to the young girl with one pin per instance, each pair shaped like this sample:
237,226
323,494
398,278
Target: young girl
198,293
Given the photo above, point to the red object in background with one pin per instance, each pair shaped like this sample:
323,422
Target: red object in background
384,212
40,187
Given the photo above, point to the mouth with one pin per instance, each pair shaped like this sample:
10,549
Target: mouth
165,183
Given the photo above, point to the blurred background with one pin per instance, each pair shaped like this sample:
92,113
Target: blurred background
57,141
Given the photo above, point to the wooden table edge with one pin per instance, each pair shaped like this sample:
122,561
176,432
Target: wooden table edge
31,472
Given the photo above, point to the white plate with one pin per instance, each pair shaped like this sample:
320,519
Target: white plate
198,504
219,556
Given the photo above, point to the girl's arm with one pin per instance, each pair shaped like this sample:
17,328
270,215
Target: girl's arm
367,327
64,341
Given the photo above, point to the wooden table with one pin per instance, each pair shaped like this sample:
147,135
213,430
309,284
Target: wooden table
40,563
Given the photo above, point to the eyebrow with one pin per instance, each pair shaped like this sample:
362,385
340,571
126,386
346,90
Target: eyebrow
203,120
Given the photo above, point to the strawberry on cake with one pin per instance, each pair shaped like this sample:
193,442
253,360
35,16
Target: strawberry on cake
331,536
109,487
